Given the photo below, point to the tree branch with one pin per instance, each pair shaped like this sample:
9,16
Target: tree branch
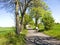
26,5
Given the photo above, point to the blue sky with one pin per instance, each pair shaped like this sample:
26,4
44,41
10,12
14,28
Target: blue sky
7,19
54,6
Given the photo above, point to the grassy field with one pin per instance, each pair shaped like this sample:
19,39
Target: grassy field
3,32
6,29
55,32
8,35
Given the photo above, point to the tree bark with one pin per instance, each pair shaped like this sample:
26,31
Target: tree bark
17,17
21,24
36,22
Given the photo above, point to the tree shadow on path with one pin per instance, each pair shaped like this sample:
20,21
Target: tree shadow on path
36,40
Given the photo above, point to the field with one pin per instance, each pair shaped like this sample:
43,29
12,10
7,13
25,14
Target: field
6,29
55,32
7,34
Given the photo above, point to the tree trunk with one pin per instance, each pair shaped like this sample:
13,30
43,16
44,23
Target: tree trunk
36,22
25,26
17,17
22,20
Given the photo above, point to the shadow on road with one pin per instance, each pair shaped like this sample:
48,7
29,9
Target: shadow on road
38,40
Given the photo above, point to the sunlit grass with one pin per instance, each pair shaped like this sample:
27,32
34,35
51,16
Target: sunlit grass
7,34
55,32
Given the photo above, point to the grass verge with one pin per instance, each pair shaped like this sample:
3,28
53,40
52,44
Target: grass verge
55,32
8,37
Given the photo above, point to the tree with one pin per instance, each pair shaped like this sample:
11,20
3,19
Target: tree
18,5
36,13
23,7
8,4
24,4
17,17
48,20
38,9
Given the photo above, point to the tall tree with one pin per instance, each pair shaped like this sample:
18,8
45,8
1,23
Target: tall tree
36,13
24,4
17,16
38,10
17,5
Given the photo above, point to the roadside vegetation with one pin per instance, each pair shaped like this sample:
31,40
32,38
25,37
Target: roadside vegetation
55,32
9,37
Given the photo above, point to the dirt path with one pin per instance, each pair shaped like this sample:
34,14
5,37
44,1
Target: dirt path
36,38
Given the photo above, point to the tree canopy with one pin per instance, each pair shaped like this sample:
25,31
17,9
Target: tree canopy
48,20
37,10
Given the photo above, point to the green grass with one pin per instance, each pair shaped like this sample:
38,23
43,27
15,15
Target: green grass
6,29
7,34
3,32
55,32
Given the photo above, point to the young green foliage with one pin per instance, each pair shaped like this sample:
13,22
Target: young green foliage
48,20
27,20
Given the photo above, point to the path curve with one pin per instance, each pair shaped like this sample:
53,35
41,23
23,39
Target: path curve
37,38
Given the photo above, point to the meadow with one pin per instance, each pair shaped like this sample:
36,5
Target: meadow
8,36
55,32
